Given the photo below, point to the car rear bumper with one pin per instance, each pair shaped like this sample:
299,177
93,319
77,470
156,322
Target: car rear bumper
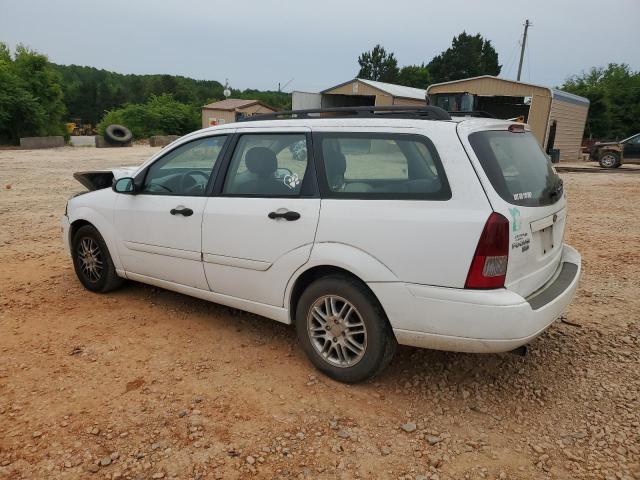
477,320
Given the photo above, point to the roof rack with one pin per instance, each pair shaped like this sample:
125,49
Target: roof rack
426,112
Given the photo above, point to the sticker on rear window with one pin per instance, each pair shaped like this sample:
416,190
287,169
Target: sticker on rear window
522,196
515,216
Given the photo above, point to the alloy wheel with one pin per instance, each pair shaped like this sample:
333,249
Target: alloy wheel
90,258
337,331
608,160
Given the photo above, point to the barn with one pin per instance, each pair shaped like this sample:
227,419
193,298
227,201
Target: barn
232,110
359,92
557,118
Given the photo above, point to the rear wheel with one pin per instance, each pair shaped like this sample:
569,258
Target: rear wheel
92,261
343,329
609,160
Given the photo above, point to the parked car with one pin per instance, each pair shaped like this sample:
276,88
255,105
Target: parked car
614,154
400,226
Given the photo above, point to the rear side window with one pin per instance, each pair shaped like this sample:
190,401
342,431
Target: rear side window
268,165
517,167
384,166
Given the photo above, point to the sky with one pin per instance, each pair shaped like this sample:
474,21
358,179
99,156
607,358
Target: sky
259,43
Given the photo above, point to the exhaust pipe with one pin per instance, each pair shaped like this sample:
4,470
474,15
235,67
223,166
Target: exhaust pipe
520,351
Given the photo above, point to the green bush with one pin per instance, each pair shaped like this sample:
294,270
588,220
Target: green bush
161,115
31,101
614,93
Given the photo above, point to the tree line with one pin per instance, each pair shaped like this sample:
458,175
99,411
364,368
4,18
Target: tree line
38,97
614,93
468,56
614,90
90,92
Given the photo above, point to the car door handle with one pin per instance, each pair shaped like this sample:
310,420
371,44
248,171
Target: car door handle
187,212
288,215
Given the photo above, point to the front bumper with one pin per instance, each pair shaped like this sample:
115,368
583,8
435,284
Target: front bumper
64,222
477,320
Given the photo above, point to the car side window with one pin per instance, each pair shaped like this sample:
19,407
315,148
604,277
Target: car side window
373,165
186,169
267,165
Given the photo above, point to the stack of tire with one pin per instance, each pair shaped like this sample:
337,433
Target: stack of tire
117,134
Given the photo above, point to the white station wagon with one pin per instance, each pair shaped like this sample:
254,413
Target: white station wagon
364,227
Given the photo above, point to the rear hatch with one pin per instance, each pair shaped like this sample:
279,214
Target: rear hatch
521,185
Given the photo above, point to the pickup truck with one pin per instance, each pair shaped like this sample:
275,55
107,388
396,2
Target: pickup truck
614,154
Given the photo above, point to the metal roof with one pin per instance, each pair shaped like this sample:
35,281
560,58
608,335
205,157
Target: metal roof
232,103
390,88
554,92
569,97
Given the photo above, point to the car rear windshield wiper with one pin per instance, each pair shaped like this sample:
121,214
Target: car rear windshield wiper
557,189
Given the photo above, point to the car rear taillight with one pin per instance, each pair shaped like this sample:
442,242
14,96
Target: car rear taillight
489,266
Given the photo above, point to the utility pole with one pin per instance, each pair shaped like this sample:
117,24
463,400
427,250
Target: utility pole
527,24
284,86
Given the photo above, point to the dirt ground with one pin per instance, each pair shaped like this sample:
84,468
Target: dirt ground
143,383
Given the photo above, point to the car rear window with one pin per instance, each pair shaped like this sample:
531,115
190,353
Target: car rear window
517,167
380,166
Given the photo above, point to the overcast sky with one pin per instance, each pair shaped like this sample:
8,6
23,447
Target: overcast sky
258,43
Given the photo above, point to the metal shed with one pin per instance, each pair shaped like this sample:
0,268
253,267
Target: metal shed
359,93
557,118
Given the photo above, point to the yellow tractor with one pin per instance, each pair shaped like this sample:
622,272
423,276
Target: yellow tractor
77,128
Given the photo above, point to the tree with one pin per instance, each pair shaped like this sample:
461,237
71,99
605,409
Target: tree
160,115
272,98
417,76
89,92
30,96
614,93
378,65
20,113
468,56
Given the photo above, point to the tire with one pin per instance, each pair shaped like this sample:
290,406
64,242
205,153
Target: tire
117,134
344,364
609,160
99,275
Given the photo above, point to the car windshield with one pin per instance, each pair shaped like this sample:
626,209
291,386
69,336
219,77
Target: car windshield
517,167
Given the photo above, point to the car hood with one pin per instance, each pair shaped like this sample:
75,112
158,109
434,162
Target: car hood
602,144
98,179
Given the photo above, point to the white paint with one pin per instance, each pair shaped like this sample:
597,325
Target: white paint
527,270
239,230
305,100
414,255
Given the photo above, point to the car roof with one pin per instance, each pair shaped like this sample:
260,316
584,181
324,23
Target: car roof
341,122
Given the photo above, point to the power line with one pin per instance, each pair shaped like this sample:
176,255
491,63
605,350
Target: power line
529,60
511,59
527,24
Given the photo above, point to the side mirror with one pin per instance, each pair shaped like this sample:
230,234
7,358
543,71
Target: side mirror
124,185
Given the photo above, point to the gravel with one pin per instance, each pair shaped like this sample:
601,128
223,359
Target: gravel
218,388
409,427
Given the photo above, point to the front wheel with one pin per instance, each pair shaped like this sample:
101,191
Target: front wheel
343,329
609,160
92,261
